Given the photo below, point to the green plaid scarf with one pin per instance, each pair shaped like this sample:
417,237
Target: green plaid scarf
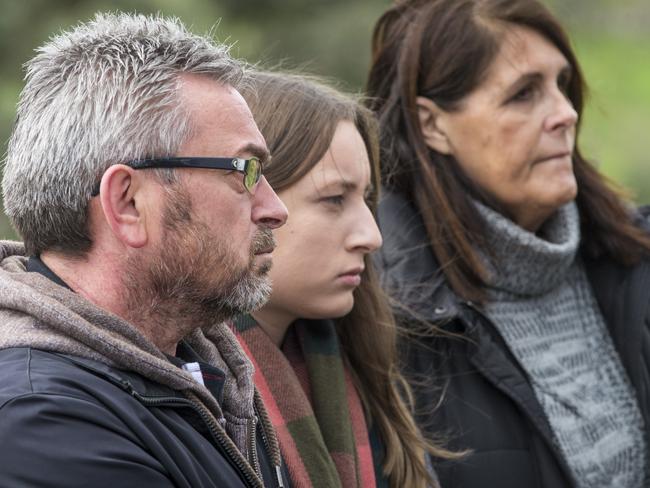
312,404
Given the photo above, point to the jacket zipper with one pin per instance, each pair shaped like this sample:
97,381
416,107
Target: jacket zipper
252,432
267,446
251,480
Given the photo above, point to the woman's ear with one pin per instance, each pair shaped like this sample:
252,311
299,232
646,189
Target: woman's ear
432,126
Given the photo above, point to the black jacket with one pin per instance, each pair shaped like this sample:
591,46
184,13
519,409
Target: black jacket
469,388
75,422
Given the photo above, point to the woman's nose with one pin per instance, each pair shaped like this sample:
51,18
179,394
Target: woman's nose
562,114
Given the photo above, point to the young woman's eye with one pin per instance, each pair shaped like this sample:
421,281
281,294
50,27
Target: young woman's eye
334,200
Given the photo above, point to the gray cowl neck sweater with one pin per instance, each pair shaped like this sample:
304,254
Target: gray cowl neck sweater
36,312
542,304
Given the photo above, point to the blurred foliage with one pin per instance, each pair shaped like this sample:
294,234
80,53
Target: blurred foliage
332,37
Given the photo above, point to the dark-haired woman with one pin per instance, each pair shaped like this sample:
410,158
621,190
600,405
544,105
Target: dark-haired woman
324,345
497,230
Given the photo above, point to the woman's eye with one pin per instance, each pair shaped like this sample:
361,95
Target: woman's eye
563,83
524,94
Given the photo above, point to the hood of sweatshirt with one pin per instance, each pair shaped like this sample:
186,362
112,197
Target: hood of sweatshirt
36,312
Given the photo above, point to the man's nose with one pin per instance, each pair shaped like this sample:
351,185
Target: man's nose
268,209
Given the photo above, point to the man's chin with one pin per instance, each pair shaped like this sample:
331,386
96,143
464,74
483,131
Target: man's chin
262,264
263,291
249,294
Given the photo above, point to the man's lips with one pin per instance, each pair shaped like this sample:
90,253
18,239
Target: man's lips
264,242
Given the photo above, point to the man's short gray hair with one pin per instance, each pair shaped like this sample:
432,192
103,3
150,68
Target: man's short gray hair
102,93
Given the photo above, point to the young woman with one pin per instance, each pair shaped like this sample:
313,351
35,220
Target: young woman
498,230
324,345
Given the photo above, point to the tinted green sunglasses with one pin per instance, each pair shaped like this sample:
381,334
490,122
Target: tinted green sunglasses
251,167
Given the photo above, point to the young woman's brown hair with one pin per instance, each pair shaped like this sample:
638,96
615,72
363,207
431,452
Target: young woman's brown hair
441,49
298,116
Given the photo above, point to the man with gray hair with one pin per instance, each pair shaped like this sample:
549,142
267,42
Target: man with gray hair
134,177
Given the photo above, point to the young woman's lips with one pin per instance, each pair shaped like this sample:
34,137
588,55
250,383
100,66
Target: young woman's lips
352,277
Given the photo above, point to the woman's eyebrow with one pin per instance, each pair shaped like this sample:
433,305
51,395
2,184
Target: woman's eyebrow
530,77
537,76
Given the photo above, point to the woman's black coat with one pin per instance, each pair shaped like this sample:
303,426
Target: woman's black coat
469,388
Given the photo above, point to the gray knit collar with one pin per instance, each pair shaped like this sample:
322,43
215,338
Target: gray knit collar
527,264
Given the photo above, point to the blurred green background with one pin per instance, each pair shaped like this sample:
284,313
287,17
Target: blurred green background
332,37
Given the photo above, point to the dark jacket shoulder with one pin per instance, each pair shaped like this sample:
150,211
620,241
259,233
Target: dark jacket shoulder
469,388
83,423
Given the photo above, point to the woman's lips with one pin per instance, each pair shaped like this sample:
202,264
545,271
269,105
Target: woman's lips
558,155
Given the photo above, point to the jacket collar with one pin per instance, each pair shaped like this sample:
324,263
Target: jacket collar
36,265
407,253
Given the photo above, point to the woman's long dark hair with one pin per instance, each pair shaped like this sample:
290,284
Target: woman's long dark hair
298,116
441,49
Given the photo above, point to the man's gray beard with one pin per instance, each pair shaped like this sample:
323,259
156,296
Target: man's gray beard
253,288
193,279
249,294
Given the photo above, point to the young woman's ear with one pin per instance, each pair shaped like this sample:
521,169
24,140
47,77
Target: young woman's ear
431,125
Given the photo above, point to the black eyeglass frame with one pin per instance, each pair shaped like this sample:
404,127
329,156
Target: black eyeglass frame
229,164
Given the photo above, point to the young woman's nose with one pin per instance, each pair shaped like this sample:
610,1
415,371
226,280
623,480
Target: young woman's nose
364,235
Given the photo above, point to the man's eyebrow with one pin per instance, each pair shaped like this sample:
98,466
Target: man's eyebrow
260,152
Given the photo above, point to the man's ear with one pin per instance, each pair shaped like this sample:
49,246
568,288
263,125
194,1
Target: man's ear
122,200
432,126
